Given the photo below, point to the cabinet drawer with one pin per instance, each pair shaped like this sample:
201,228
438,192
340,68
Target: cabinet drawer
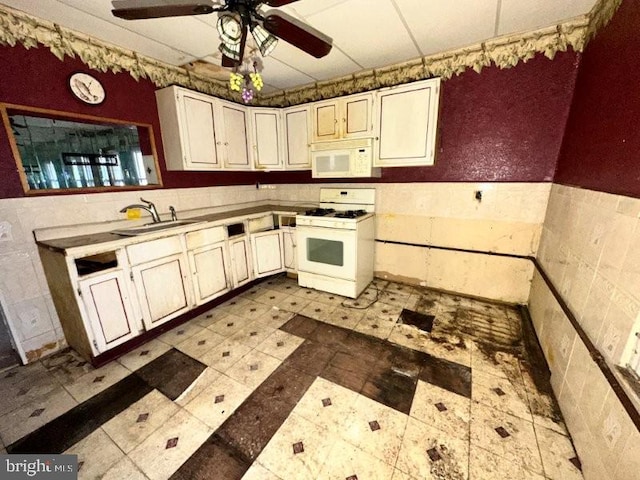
207,236
147,251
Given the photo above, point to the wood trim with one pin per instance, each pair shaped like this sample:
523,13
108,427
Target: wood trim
4,107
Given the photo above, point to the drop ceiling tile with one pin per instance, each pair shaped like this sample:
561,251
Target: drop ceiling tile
371,33
282,76
186,34
522,15
309,7
441,26
78,20
335,64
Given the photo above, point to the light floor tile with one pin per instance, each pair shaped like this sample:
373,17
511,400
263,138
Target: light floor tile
143,354
494,362
294,303
252,335
212,316
218,401
97,453
34,414
96,381
225,355
161,454
330,299
180,333
229,324
258,472
206,378
557,451
374,326
124,469
500,393
280,344
132,426
327,405
251,310
347,461
317,310
271,298
442,409
345,317
296,435
198,345
253,368
484,465
376,429
275,318
428,453
505,435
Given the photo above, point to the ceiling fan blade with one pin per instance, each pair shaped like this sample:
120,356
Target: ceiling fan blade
298,34
142,9
243,43
279,3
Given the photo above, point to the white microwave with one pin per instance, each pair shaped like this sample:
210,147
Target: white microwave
343,158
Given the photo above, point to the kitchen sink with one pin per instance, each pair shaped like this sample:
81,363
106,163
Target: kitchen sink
153,227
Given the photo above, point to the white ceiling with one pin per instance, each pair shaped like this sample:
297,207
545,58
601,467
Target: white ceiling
366,33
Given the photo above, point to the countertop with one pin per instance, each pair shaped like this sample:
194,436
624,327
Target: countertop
102,238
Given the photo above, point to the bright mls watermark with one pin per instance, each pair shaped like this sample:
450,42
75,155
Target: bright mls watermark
54,467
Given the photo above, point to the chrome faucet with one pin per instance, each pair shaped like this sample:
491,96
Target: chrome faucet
149,207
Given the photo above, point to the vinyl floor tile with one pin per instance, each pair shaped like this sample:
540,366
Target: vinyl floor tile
442,409
214,460
97,453
124,468
131,427
171,373
280,344
143,354
347,461
327,404
225,355
253,368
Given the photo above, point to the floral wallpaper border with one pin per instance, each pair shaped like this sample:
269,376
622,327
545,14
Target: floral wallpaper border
504,52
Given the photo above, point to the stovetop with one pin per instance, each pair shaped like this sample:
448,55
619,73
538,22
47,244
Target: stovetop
332,213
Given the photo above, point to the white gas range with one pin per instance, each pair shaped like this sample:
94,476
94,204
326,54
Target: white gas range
336,242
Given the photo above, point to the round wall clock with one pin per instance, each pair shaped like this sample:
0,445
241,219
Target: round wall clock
87,88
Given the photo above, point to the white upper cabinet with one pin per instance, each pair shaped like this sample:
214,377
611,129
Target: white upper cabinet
406,122
345,117
297,132
232,139
187,122
266,135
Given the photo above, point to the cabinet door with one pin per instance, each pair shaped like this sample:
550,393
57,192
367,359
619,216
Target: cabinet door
267,253
109,309
209,270
233,136
326,121
357,116
163,289
407,122
297,136
198,131
266,129
289,249
240,261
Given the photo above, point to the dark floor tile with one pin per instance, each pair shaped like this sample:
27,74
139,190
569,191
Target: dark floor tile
300,326
330,335
171,373
253,424
392,389
71,427
310,357
214,460
364,346
348,371
420,320
448,375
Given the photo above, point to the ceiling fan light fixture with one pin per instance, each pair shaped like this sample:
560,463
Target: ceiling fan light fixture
231,51
265,41
230,29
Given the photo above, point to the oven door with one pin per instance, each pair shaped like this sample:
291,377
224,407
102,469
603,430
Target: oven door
327,251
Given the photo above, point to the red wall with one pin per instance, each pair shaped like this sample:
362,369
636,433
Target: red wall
602,140
500,125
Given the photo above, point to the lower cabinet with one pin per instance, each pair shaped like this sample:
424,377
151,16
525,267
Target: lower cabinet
163,289
209,272
267,252
109,309
289,249
241,265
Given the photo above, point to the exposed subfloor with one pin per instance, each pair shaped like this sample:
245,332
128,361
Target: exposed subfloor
288,383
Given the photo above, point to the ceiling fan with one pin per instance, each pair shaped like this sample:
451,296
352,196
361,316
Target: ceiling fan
237,18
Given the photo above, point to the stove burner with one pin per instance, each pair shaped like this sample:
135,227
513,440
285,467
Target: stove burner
350,214
319,212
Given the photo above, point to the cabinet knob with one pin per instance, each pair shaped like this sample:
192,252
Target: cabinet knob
218,143
226,144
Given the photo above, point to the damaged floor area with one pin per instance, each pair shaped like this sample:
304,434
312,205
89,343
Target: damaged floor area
283,382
